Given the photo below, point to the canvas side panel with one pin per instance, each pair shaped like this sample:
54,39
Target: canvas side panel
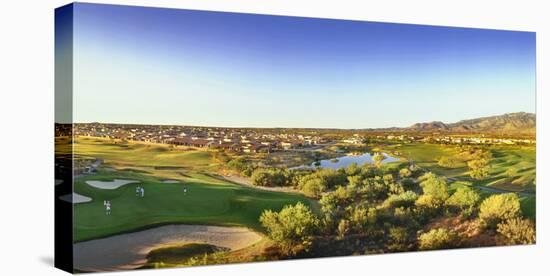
64,138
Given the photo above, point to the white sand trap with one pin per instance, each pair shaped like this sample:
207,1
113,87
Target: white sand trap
75,198
129,251
110,185
171,181
58,181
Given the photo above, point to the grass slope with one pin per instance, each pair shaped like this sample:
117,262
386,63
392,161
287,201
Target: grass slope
207,201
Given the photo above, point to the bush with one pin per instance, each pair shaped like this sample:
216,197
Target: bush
404,173
314,184
517,231
464,200
378,159
292,228
269,177
435,191
406,199
398,239
343,228
479,168
374,188
498,208
439,238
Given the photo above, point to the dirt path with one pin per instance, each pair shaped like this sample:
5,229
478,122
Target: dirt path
129,251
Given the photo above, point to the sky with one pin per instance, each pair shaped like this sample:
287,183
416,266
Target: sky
168,66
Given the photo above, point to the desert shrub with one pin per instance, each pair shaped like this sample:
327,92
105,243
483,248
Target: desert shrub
269,177
316,183
374,188
405,199
479,168
498,208
358,218
292,228
343,228
517,231
398,239
464,199
404,173
378,159
435,191
439,238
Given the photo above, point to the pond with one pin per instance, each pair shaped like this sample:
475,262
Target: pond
345,161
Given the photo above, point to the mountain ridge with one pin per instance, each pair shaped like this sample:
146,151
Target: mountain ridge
518,122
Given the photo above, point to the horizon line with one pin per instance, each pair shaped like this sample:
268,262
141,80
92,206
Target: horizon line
282,127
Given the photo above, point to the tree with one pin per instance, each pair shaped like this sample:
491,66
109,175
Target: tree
353,169
517,231
359,218
268,177
406,199
378,158
388,179
314,184
404,173
343,228
498,208
439,238
435,191
292,228
464,199
313,187
329,205
479,168
343,194
398,239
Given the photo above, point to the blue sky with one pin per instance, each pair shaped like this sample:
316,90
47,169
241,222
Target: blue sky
167,66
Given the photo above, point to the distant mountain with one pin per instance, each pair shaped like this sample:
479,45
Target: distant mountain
436,125
510,123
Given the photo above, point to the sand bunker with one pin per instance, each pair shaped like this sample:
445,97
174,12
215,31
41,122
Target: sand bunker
171,181
129,251
75,198
110,185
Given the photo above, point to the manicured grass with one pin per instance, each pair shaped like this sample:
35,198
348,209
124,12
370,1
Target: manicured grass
135,154
512,167
528,206
427,156
207,200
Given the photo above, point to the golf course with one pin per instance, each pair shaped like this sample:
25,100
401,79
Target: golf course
511,168
163,198
178,189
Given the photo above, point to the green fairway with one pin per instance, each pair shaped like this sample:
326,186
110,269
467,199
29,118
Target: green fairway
512,167
142,154
207,200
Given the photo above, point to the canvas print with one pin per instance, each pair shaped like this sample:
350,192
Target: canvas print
188,137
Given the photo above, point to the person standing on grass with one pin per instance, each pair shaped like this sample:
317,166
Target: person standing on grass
142,192
108,208
138,189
